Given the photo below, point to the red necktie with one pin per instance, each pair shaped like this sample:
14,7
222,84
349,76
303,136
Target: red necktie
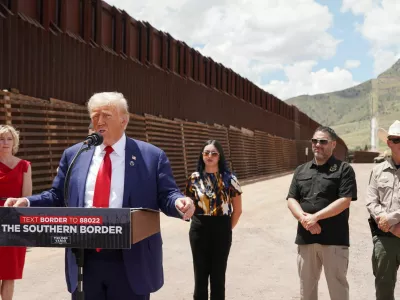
102,188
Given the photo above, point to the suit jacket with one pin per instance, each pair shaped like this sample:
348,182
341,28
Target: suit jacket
149,183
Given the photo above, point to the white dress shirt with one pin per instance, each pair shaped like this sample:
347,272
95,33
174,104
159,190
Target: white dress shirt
117,174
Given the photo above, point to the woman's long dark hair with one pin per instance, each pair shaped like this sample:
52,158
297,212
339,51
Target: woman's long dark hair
222,163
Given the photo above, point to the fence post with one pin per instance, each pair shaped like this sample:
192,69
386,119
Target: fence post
7,109
185,163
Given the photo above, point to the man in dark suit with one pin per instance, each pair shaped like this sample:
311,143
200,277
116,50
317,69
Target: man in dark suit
122,172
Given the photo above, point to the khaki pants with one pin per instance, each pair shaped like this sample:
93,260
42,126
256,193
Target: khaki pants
335,260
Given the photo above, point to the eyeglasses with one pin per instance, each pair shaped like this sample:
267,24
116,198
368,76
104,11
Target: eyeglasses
320,141
395,141
212,153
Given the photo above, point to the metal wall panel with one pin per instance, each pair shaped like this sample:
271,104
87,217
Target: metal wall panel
265,153
133,39
107,27
62,65
301,147
167,135
195,135
136,128
72,16
237,152
364,156
46,130
220,133
157,45
3,48
29,8
48,127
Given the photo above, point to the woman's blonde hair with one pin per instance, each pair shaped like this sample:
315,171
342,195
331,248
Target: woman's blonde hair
15,135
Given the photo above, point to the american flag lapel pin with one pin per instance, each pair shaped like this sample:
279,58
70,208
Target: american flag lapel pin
132,163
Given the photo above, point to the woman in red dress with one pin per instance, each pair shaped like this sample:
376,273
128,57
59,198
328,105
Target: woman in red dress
15,181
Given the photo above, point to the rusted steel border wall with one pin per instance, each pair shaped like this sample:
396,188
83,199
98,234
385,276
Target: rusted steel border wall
71,49
47,128
364,156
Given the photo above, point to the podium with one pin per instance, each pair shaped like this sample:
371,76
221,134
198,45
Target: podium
74,227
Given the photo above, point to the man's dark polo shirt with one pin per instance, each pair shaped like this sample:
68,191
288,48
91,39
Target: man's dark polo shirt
315,187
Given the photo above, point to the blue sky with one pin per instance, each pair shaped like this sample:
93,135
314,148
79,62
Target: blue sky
287,47
353,45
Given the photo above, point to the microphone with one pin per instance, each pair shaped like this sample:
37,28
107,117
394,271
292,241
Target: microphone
94,139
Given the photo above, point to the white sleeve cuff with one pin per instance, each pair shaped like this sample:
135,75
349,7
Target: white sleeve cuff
179,212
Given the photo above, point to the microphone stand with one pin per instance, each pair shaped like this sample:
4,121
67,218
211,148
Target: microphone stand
78,252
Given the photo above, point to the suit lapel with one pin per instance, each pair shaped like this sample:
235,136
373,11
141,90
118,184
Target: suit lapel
133,164
83,170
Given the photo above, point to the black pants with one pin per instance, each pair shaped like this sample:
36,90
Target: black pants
210,240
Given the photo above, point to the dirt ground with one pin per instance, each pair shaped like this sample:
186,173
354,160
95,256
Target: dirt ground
262,264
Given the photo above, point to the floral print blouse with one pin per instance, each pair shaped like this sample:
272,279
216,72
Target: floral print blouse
213,194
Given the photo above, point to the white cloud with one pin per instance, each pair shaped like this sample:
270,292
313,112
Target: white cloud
383,60
382,24
251,37
358,7
381,27
302,80
352,64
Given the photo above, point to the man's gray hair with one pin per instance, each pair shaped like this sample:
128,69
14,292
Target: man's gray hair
108,98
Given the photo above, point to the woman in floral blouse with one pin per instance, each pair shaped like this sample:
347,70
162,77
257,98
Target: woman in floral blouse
217,197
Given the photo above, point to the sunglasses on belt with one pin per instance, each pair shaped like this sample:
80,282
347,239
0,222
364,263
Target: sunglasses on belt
320,141
212,153
395,140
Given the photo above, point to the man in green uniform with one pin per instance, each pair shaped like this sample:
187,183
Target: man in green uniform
383,204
